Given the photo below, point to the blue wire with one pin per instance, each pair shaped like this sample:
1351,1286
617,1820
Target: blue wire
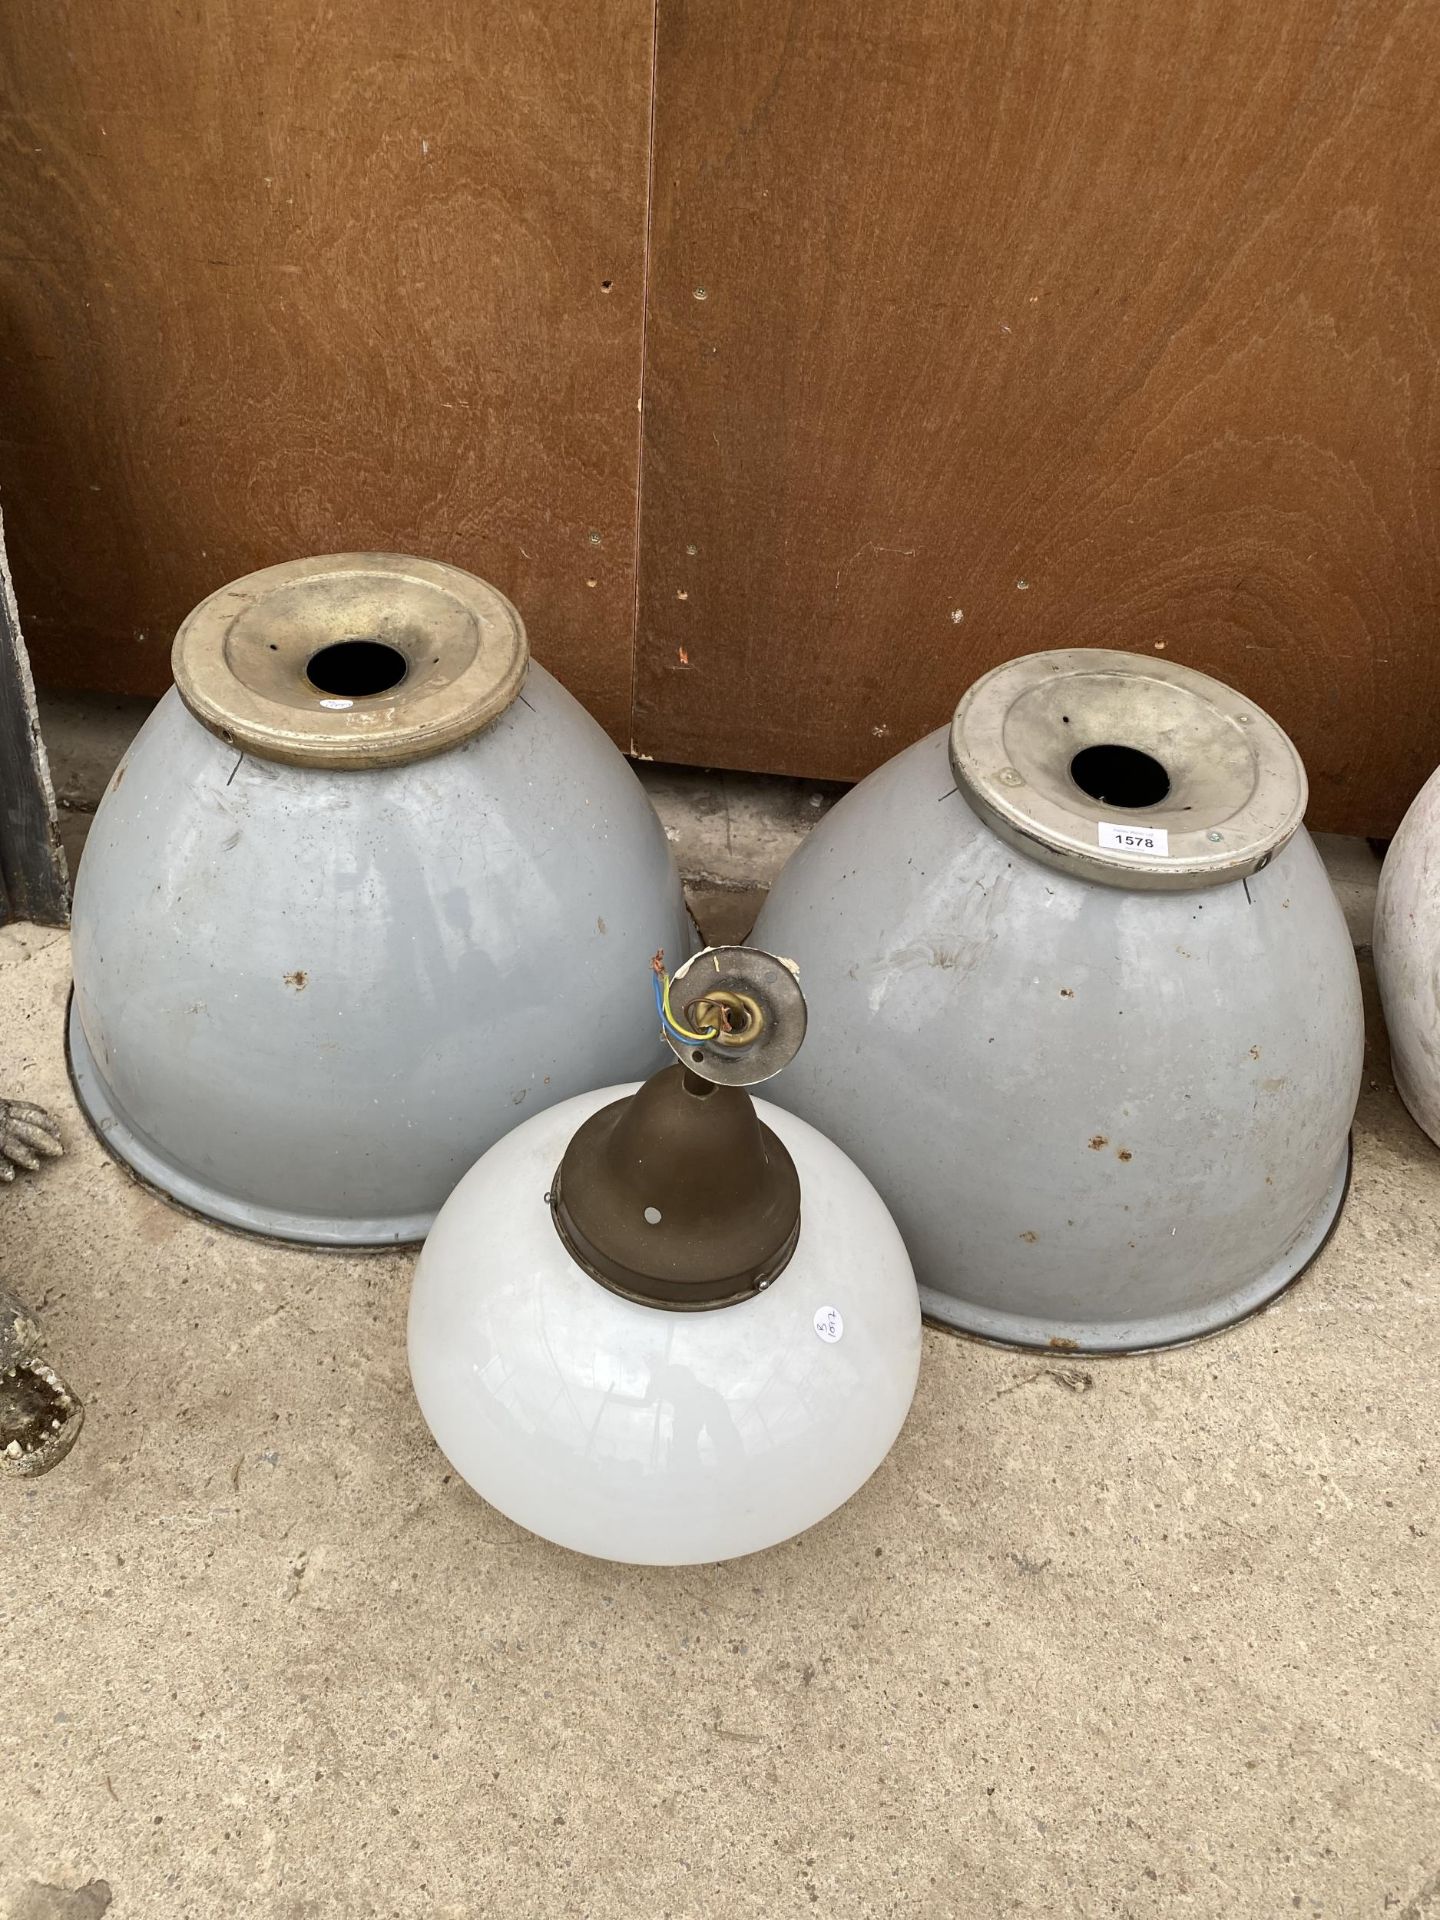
685,1040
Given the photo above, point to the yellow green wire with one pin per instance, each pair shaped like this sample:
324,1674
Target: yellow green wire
662,1000
684,1032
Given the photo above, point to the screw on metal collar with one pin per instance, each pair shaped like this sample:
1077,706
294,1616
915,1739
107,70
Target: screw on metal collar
351,660
1060,753
679,1196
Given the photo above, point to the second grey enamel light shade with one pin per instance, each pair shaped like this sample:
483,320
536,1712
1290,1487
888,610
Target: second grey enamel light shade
1098,1050
329,943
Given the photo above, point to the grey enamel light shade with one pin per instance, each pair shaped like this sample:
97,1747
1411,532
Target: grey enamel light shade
1083,1005
330,945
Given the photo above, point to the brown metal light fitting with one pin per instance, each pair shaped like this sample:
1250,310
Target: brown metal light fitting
679,1196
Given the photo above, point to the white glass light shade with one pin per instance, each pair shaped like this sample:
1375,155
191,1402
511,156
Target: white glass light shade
640,1434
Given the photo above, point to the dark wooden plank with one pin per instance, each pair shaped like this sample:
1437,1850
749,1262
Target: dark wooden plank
1028,325
320,274
32,867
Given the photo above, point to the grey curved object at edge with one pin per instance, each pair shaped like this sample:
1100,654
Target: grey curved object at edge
307,1000
1103,1119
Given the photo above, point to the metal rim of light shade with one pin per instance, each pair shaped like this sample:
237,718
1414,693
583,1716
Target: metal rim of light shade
158,1174
1189,756
942,1311
420,655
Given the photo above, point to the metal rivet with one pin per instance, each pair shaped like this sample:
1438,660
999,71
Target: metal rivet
594,537
702,293
1010,778
1212,836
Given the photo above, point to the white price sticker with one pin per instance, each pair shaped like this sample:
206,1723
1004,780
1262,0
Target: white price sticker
828,1323
1134,839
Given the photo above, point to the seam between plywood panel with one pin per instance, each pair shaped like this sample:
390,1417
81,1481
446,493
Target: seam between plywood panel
644,368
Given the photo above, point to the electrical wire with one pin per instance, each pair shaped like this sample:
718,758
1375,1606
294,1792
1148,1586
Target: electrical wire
666,1013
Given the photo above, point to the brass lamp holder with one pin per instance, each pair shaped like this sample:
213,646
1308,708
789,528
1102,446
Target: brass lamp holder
679,1196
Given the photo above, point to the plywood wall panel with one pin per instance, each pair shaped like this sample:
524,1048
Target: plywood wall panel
976,329
291,277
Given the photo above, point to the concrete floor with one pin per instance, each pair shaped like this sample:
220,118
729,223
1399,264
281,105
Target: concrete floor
1127,1638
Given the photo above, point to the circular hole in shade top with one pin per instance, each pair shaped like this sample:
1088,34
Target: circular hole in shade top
1117,776
356,667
